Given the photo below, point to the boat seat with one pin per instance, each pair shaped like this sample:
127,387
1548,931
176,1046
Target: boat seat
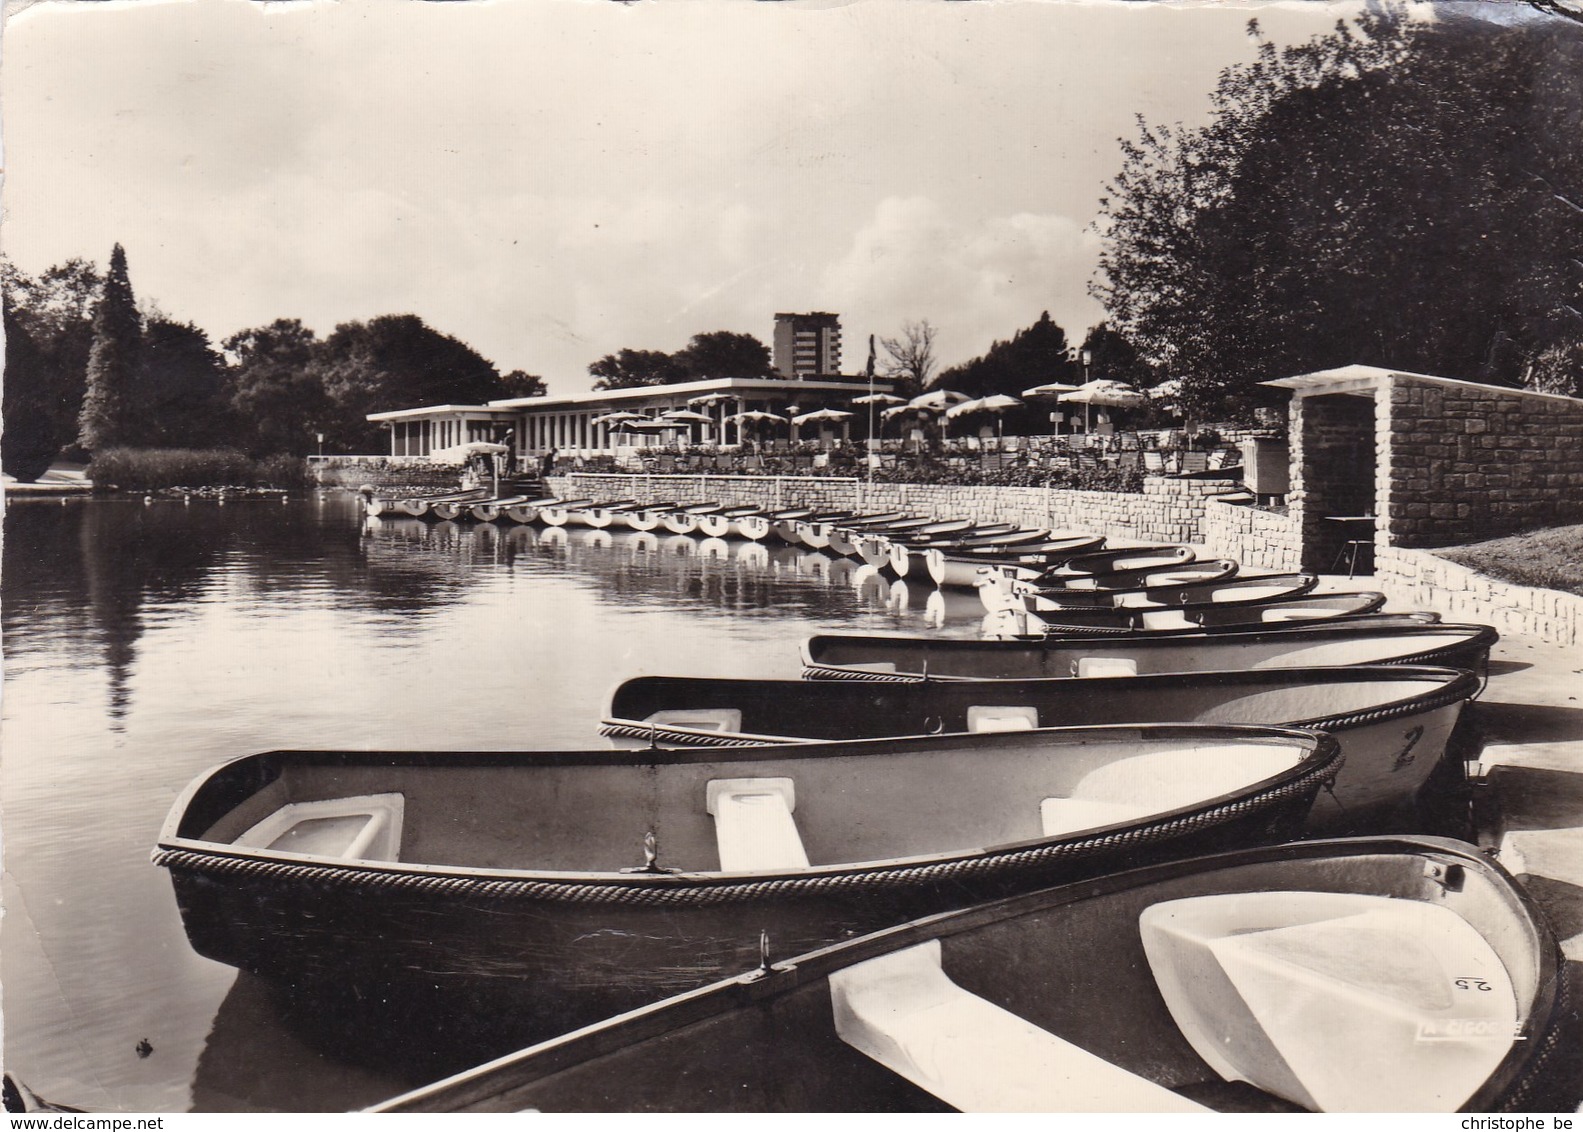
699,719
1296,613
903,1011
366,827
754,827
1002,718
1335,1001
1104,666
1166,619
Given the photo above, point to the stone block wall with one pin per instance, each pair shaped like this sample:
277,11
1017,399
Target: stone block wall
1470,462
1259,539
1417,578
1168,510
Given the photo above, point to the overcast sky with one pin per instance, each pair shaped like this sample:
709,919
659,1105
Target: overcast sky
551,180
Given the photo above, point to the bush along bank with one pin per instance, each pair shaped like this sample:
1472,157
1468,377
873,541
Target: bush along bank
156,469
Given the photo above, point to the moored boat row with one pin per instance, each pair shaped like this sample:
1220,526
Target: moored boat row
898,818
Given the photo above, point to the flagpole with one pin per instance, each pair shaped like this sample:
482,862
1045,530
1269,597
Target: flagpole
870,454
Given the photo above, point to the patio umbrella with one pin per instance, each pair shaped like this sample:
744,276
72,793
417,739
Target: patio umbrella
1166,390
1052,389
1115,394
754,416
821,415
461,453
686,416
879,399
651,425
709,399
938,400
996,403
617,417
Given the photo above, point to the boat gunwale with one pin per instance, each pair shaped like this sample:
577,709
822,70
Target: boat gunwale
1456,685
1545,1017
1480,635
1318,760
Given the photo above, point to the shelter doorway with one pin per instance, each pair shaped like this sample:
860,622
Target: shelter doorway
1339,478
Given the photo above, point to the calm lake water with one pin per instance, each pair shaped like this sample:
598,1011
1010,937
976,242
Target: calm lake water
145,643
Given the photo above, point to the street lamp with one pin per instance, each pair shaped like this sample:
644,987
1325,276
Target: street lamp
320,435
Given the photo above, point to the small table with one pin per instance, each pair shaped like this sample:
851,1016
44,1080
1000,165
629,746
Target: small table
1352,526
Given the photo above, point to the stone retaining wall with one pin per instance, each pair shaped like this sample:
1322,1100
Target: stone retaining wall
1470,462
1168,510
1421,579
1262,540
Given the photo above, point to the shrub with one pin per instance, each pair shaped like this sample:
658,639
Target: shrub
146,469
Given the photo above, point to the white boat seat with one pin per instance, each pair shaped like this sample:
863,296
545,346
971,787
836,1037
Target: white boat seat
903,1011
365,827
1339,1002
1105,666
1167,619
1295,614
1002,718
699,719
754,827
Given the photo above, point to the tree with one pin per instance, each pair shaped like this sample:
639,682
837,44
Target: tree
910,360
721,353
55,310
1035,355
182,388
1558,369
1397,192
519,383
274,389
30,440
394,361
110,412
628,369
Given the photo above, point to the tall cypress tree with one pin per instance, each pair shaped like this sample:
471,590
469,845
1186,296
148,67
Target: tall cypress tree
107,405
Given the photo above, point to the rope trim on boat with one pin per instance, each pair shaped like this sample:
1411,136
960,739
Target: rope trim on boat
1451,692
1535,1077
817,671
688,892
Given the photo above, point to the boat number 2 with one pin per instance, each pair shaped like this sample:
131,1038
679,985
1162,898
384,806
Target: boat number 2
1405,758
1470,983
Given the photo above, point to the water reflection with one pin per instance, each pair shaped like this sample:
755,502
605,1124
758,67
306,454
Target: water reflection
146,643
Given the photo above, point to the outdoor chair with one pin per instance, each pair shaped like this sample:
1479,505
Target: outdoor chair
1154,463
1194,461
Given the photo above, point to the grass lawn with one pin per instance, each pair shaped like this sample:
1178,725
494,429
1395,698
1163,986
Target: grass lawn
1551,559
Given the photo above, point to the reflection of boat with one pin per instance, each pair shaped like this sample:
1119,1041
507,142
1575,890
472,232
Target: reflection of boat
850,656
1392,722
1407,974
571,885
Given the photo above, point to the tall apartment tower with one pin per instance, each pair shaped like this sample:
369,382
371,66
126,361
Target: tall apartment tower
807,345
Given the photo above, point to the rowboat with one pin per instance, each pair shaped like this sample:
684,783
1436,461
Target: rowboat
1392,721
1190,618
646,516
1403,974
906,554
419,506
1191,573
1126,558
786,529
1245,589
841,537
960,567
719,524
578,513
683,520
850,656
492,510
529,889
817,534
874,547
601,517
529,512
757,528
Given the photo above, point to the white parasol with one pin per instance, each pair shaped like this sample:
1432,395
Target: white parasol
1115,394
821,415
938,400
879,399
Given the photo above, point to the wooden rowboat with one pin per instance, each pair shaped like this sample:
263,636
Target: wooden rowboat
1392,722
646,516
683,520
492,510
1188,618
1297,645
838,533
1126,558
757,528
720,524
1407,974
787,529
553,889
422,506
959,568
1193,573
1245,589
532,512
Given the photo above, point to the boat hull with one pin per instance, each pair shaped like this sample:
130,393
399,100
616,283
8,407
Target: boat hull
1393,723
771,1039
540,952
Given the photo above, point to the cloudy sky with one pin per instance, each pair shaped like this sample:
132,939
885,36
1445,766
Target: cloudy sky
551,180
